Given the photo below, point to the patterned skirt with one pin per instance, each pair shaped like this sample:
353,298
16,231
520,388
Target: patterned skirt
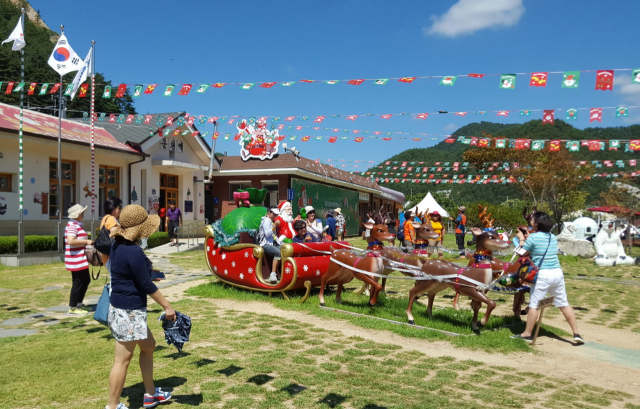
128,325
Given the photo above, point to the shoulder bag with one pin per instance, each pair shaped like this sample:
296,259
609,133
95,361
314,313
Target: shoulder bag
102,308
104,242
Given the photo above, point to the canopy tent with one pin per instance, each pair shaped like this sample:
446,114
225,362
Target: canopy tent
429,203
613,209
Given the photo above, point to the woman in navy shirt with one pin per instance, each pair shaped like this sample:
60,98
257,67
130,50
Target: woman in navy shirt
130,284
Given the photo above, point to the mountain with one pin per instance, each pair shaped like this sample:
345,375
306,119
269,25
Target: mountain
40,41
498,193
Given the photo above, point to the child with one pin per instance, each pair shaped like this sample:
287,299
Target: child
301,232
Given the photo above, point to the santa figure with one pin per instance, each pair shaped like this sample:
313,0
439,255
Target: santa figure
304,201
609,248
284,222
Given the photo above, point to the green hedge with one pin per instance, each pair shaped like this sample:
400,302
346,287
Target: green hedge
158,239
32,244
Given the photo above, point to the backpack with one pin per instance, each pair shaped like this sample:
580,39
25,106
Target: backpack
400,235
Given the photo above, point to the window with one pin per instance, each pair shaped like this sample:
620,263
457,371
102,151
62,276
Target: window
108,185
234,186
272,192
168,181
56,200
5,182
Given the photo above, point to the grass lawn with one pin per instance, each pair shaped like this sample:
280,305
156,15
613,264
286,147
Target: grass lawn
244,360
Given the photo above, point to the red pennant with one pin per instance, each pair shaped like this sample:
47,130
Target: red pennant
307,81
267,84
212,119
195,133
377,133
474,141
281,126
299,128
333,139
355,82
219,85
359,139
475,75
386,116
112,118
584,143
416,139
634,144
594,145
386,139
503,113
147,119
83,90
9,87
150,88
289,118
281,137
129,119
538,79
461,113
356,131
595,115
176,132
319,119
305,138
449,140
169,120
185,89
632,162
604,80
520,144
122,88
231,121
547,116
352,117
55,88
408,80
216,135
422,116
484,142
32,88
237,137
191,120
554,146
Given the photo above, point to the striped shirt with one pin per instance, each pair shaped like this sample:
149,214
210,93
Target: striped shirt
74,257
536,244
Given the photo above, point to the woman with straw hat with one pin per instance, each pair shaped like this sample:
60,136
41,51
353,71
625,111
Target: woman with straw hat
75,260
131,282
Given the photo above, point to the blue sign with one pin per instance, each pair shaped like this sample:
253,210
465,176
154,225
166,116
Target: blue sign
26,212
33,180
290,194
215,200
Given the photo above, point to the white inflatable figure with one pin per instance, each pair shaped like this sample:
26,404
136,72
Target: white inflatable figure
609,248
567,233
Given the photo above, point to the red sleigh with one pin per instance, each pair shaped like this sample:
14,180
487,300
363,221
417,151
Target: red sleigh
245,264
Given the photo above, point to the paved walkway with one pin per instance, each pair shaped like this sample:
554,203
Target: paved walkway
29,323
184,245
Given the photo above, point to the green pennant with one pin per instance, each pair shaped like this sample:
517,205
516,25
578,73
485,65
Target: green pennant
572,113
166,131
571,79
537,145
622,111
169,90
186,132
202,88
248,85
525,112
137,91
501,143
160,120
151,131
332,82
85,116
508,81
107,92
449,80
139,119
288,84
120,118
292,137
381,81
573,146
68,90
19,88
43,90
227,136
635,76
101,117
481,112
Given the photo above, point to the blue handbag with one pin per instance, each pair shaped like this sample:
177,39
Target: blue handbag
102,309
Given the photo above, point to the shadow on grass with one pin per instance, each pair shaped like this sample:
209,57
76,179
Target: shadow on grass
230,370
374,406
191,400
95,329
260,379
136,392
333,399
203,362
177,355
293,389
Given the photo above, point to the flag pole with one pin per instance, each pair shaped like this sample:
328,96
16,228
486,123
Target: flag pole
93,156
60,210
21,223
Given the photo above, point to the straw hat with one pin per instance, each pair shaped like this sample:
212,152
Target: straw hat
76,210
338,210
135,223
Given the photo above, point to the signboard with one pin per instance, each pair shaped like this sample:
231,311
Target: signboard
215,200
290,194
188,206
256,141
324,197
545,302
364,197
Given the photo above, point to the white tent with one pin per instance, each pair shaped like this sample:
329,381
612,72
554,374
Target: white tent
429,203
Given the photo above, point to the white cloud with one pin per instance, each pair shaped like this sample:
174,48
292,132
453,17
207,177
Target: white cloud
630,93
450,127
469,16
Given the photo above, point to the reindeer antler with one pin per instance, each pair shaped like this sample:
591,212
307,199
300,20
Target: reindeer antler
485,218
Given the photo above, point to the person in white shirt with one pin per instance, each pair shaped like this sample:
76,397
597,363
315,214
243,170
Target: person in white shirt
265,239
314,226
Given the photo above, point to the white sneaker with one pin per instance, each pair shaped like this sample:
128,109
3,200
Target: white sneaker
273,277
120,406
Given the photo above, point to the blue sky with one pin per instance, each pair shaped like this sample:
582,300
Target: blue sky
256,41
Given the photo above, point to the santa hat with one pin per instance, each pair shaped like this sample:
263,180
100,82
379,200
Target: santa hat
283,206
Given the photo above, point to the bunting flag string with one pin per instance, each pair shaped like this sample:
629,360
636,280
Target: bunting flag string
567,79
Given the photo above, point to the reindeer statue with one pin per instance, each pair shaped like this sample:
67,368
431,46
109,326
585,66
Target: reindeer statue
346,264
465,281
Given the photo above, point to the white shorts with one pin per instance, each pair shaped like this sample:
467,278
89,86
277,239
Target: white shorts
550,282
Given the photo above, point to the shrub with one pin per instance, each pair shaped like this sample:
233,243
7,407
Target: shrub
157,239
32,244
